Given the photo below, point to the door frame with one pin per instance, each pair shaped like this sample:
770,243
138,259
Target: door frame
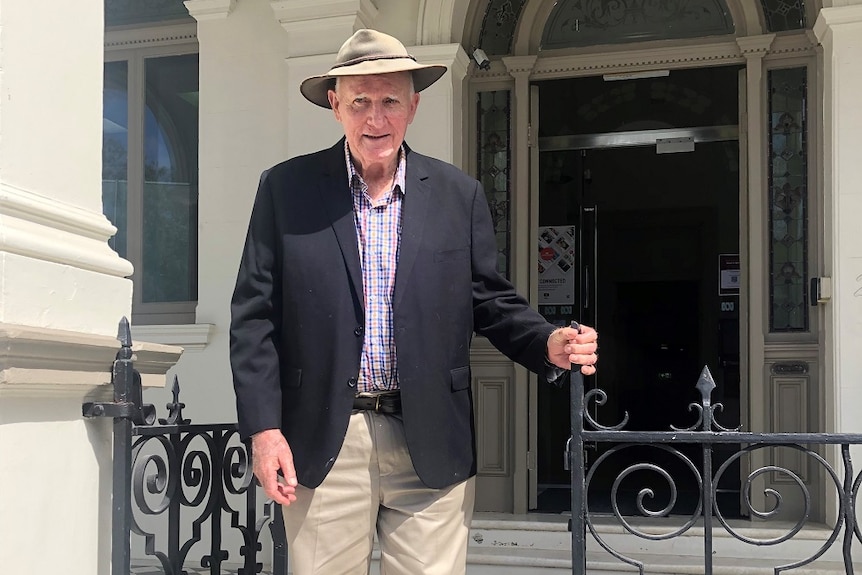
640,138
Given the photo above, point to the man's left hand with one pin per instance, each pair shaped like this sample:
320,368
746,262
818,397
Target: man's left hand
567,346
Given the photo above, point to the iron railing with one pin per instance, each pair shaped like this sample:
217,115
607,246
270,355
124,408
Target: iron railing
174,480
702,438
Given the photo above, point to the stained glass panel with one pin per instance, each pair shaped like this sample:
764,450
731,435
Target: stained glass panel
494,165
498,26
784,15
590,22
788,194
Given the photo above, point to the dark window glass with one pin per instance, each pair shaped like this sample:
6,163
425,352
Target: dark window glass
170,193
115,151
130,12
682,99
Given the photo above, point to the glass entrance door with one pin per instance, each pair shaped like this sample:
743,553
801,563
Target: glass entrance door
649,235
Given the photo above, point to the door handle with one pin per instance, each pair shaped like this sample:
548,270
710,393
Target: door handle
587,286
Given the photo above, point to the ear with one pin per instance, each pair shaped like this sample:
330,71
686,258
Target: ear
333,103
414,105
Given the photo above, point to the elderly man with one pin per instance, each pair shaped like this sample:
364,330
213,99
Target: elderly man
366,270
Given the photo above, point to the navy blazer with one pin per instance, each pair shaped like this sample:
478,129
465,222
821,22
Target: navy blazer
297,319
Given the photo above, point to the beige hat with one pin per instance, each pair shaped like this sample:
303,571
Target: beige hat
370,52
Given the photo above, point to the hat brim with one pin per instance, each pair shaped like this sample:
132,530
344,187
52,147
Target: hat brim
315,88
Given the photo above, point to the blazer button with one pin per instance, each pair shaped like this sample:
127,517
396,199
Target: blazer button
351,382
359,331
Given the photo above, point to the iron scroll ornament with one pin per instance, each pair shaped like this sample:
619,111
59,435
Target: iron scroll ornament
186,475
706,434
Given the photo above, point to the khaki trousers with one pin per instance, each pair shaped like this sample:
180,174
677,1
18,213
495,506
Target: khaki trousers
373,489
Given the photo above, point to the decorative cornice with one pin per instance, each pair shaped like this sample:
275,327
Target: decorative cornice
720,53
800,43
209,9
835,17
43,228
154,36
520,65
838,15
594,63
191,337
755,46
43,360
321,26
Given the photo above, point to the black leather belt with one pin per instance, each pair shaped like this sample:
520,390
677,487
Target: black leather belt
380,403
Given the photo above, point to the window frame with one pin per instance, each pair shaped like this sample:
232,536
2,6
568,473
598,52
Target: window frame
815,216
120,46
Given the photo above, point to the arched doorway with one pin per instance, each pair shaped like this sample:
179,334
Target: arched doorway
516,91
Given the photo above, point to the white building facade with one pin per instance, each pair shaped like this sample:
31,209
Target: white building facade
690,173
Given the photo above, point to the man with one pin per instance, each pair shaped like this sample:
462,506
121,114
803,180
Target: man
366,270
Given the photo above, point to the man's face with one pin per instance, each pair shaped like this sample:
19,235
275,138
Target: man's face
375,112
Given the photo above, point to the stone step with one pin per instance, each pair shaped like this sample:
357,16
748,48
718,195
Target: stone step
503,544
536,541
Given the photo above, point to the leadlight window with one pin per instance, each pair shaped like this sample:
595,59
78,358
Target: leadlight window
584,23
783,15
494,165
788,200
498,26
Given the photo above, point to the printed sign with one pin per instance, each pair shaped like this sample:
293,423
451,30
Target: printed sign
728,274
556,265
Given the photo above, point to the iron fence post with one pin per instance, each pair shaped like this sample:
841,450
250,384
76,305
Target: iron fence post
848,510
123,380
121,526
575,457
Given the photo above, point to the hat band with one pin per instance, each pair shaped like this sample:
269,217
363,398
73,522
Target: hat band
369,58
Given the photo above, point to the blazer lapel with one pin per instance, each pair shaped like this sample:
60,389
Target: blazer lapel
417,197
335,191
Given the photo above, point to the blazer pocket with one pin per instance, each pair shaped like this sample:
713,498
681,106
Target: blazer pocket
460,378
449,255
292,377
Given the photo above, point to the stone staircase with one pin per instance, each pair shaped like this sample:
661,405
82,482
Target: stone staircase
537,544
540,544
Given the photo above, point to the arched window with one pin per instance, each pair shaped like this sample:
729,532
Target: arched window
575,23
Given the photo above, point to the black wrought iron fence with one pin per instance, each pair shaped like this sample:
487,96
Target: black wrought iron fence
704,437
179,486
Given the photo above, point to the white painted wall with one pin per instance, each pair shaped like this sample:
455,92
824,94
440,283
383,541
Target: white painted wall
62,291
840,30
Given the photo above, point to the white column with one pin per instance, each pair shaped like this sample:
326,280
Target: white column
839,29
62,292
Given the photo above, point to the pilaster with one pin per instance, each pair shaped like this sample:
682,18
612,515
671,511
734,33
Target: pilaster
754,259
839,30
521,68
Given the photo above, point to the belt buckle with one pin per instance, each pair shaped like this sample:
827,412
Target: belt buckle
377,403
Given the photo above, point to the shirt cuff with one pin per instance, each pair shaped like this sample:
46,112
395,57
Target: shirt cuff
554,374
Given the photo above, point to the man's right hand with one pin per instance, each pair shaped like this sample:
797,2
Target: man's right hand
271,453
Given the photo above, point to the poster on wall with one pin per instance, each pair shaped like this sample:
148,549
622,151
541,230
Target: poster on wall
556,265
